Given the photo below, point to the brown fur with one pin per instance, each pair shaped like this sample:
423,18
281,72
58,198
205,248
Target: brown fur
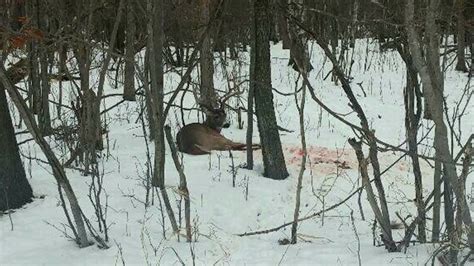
202,138
199,139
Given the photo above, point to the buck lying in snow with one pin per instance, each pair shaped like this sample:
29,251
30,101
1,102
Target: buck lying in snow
202,138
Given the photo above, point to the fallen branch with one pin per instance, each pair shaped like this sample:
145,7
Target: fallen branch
304,218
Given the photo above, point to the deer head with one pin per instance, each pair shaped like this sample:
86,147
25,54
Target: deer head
216,118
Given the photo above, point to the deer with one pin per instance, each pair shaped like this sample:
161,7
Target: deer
202,138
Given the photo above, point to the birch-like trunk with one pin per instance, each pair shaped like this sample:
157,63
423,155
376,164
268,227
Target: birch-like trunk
427,64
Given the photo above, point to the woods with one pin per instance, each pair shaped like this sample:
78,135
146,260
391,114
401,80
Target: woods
338,119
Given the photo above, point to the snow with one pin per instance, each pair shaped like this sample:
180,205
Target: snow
220,211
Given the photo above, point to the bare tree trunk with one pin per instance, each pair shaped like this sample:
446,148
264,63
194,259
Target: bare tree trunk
84,108
16,10
250,101
461,36
299,53
148,96
157,93
353,29
430,73
45,117
45,55
129,73
82,54
436,201
281,6
58,170
471,42
412,98
208,94
34,80
334,27
449,219
183,187
371,197
34,76
91,110
466,162
250,112
62,54
299,185
15,191
155,44
273,159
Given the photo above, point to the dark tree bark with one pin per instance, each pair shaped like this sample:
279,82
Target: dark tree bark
34,87
461,34
436,202
333,7
466,162
129,73
353,29
34,80
208,94
84,150
273,159
449,220
44,116
183,187
250,102
250,113
58,170
412,119
471,41
281,6
155,44
427,65
148,96
15,191
17,9
300,56
45,60
413,110
157,93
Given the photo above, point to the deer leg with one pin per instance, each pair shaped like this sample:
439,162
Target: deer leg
200,150
256,146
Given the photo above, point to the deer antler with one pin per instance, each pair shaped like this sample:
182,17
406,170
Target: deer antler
221,101
231,93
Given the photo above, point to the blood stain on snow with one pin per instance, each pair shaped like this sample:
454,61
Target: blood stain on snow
321,160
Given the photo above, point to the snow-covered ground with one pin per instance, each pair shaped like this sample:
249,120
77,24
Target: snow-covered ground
220,211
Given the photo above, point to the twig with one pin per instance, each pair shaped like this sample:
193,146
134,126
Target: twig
357,237
183,187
